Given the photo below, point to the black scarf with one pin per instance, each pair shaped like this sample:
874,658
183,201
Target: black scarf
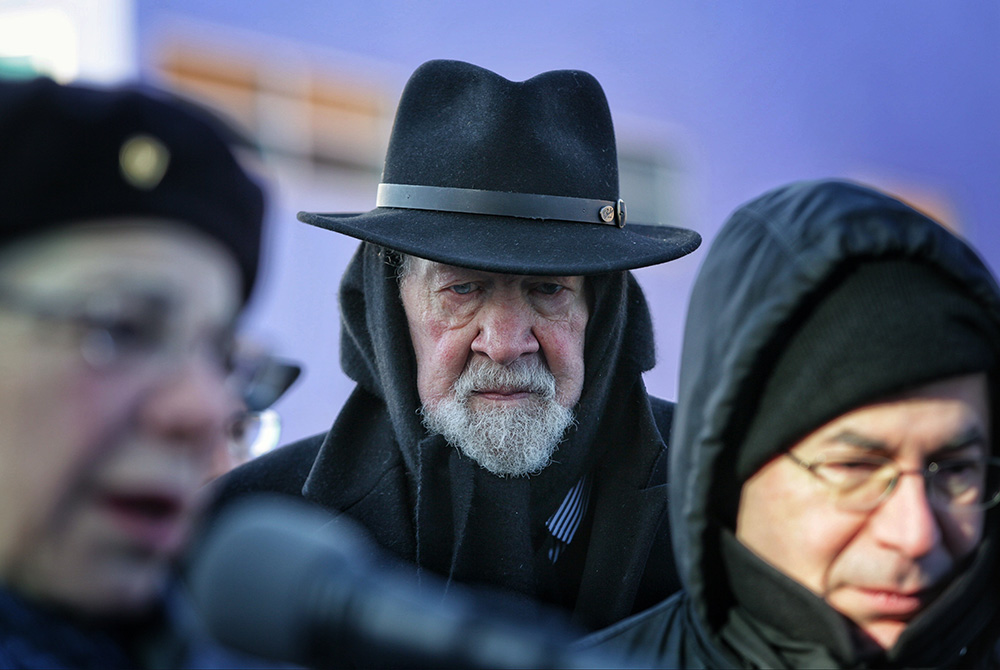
468,524
777,623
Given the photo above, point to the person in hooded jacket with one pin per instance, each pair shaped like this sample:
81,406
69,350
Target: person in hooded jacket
500,432
834,431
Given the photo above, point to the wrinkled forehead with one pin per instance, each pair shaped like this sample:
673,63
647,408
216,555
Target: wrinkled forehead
415,266
126,253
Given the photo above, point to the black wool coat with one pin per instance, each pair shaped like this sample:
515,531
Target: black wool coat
428,504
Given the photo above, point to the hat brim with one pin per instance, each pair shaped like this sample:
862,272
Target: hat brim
512,245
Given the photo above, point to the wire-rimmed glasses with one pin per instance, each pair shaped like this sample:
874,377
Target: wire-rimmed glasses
138,332
862,483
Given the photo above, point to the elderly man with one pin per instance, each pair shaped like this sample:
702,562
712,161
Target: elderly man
837,430
129,241
500,432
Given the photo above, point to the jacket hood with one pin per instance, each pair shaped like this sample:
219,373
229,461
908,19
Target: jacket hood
772,255
489,530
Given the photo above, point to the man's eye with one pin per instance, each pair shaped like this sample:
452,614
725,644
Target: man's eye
463,289
848,473
104,342
959,467
549,289
131,335
852,466
955,477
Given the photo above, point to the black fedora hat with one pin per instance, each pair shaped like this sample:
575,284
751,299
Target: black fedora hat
514,177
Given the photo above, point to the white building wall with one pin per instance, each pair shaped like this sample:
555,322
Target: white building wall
87,40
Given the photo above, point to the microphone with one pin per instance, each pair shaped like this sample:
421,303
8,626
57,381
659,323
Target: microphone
285,581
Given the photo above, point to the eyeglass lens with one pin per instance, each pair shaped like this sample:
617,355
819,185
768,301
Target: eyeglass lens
863,483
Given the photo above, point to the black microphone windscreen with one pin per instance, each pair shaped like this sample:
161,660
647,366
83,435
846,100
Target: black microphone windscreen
287,581
253,573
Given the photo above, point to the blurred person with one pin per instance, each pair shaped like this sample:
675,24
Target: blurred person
129,241
836,430
500,432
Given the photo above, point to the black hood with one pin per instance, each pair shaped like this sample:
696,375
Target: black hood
772,255
490,537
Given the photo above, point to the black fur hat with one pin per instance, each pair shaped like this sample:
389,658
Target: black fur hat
72,154
515,177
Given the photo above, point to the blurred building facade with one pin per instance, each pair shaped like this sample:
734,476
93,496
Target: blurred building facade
713,103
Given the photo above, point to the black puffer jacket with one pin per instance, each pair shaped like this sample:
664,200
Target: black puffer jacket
767,260
427,503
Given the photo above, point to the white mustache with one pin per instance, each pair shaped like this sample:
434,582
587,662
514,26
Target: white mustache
522,376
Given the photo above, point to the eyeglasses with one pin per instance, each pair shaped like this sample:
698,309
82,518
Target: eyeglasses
253,434
862,483
257,429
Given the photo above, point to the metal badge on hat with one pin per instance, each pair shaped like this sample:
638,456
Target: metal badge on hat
143,160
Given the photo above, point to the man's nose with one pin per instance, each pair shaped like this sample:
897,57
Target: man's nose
905,521
506,331
190,407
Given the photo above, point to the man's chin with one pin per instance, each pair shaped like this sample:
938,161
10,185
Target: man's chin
502,465
509,446
509,438
875,637
133,590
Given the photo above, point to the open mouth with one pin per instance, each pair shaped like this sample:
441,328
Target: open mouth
154,521
151,506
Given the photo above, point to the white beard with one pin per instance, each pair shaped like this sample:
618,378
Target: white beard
508,441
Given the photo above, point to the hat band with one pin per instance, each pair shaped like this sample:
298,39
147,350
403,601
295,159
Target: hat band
498,203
